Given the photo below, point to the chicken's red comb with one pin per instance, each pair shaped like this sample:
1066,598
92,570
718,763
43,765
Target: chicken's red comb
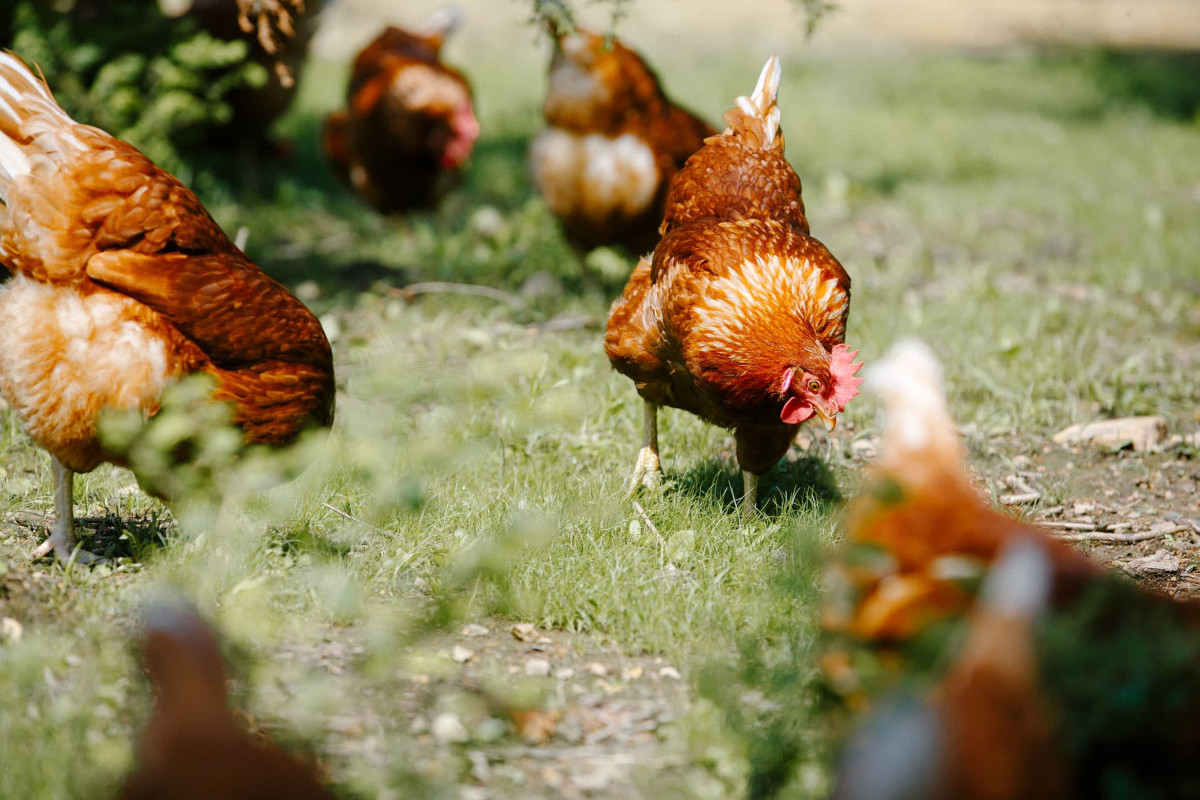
841,371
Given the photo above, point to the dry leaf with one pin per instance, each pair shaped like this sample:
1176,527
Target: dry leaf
535,726
1163,562
1142,433
524,631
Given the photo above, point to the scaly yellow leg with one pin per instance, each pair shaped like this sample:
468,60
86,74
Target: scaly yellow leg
647,472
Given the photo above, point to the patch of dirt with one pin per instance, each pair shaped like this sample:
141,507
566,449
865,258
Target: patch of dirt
508,710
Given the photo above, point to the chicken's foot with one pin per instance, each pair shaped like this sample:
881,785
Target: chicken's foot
647,472
749,495
62,534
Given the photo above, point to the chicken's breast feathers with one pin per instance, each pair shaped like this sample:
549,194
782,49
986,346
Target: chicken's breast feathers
727,306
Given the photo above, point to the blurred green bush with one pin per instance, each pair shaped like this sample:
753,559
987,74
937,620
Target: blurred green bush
163,84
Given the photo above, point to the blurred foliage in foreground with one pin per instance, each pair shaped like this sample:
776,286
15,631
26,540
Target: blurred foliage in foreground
162,84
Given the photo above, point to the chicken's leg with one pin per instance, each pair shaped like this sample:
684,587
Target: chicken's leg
749,495
648,471
62,535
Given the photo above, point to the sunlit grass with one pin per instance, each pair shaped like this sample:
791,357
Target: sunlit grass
1038,235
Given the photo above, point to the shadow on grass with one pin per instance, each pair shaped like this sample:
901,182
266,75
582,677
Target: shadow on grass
115,537
301,541
805,480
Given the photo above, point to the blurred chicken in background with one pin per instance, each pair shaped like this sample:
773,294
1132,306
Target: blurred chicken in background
193,747
612,144
277,32
410,124
1056,679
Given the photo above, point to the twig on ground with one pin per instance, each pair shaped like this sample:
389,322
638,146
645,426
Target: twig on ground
362,522
1072,526
1022,492
1104,536
30,519
566,322
1111,535
662,543
412,290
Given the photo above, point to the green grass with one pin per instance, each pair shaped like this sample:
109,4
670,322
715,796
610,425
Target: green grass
1036,230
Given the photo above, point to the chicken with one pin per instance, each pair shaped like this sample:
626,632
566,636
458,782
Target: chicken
123,284
612,144
410,125
192,746
924,512
739,316
1066,681
987,731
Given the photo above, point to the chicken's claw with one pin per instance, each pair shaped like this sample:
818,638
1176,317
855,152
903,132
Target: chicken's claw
67,548
647,473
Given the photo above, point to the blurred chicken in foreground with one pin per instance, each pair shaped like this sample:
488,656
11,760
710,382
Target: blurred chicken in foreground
612,144
410,125
124,285
1056,679
192,746
739,316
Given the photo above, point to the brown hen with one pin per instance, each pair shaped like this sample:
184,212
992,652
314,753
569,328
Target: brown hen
192,746
1066,681
925,513
410,125
613,142
123,284
739,316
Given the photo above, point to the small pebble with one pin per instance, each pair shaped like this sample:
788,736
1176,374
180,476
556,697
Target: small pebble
11,630
537,667
446,729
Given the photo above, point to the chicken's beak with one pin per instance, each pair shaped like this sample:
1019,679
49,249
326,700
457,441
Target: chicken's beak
830,419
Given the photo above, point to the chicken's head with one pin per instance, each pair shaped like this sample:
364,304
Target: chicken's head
435,103
824,391
464,130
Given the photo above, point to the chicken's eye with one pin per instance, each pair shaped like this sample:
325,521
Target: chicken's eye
814,385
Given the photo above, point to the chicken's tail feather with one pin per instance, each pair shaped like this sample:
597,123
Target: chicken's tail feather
31,122
755,119
442,22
